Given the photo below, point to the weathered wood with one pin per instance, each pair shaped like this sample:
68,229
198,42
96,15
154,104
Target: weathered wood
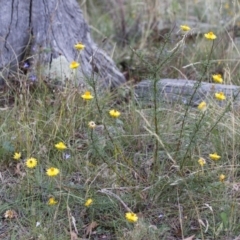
44,32
184,91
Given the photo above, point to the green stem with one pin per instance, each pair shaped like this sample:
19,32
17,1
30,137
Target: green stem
190,101
194,135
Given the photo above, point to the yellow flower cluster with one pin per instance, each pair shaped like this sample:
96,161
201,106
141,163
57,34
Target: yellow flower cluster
209,35
130,216
217,78
214,157
78,46
32,163
113,112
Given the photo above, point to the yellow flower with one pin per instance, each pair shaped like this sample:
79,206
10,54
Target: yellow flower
74,65
131,217
88,202
220,96
217,78
222,177
31,162
60,146
92,124
202,106
185,28
10,214
87,96
79,46
210,36
52,201
114,113
52,172
201,162
17,156
214,156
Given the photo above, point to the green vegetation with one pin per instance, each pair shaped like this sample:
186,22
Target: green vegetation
85,162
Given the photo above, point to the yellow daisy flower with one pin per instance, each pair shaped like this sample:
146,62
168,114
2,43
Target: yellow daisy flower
217,78
60,146
210,36
220,96
87,96
201,162
92,124
202,106
88,202
52,172
185,28
17,155
79,46
222,178
214,156
131,217
52,201
114,113
31,162
74,65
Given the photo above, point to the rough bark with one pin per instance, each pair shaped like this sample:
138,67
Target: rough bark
185,91
44,32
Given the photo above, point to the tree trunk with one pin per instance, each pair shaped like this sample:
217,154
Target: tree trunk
42,33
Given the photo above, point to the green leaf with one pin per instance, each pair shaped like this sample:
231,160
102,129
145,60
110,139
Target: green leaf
8,147
224,218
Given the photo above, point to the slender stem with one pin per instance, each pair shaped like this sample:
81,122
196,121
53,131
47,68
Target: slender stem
194,134
191,98
155,106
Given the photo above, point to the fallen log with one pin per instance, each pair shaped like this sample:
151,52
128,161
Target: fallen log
182,91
